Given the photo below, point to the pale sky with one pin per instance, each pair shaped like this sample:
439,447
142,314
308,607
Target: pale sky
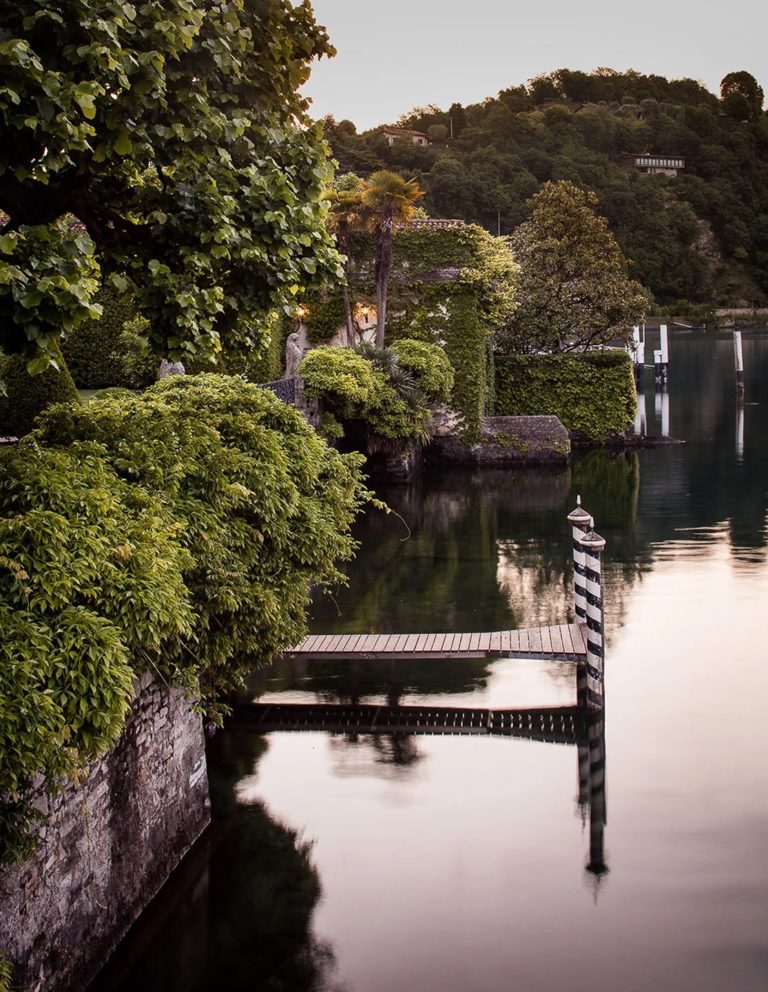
397,54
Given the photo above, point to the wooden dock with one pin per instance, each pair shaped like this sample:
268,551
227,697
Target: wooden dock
560,642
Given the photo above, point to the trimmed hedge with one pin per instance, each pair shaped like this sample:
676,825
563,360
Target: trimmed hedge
111,351
591,393
28,395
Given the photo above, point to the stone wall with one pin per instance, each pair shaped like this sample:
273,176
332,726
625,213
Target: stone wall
507,441
107,846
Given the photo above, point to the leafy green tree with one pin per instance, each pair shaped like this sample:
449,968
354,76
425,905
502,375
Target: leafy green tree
742,96
574,289
175,134
388,200
345,200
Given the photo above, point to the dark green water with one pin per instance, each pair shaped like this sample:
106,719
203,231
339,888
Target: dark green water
398,862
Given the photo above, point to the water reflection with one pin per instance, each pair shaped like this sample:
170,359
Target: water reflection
238,913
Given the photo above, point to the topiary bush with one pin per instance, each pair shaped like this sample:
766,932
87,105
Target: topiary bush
26,395
430,366
177,530
592,393
388,393
111,350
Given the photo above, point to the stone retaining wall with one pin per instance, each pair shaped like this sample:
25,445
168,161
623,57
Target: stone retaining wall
107,846
506,441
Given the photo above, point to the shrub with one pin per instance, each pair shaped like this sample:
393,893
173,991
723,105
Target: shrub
91,590
112,349
343,378
177,529
265,506
26,395
377,387
593,393
430,365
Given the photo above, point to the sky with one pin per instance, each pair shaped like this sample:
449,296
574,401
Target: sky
397,54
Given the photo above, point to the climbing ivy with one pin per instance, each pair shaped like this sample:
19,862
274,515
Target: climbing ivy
454,287
592,393
324,315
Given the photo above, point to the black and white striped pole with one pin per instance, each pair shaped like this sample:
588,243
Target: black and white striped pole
593,546
580,520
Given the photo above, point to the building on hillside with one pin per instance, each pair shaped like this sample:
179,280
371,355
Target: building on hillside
648,164
393,134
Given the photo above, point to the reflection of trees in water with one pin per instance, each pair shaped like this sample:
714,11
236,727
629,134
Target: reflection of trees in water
241,903
391,756
354,681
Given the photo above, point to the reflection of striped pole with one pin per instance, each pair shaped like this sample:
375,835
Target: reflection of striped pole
597,805
581,522
593,546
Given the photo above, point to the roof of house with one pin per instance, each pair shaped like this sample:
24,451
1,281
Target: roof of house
404,131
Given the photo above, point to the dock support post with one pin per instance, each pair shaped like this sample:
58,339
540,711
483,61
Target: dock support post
593,546
580,520
738,358
661,358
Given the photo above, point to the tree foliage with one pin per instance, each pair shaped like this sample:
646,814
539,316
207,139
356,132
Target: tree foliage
387,200
574,288
175,135
700,237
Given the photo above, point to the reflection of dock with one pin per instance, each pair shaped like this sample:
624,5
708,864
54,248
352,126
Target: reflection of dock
565,641
555,725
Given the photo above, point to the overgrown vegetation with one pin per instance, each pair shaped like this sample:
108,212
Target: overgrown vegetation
699,237
591,393
453,288
175,531
389,391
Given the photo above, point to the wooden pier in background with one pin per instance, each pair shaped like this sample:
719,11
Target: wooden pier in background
559,642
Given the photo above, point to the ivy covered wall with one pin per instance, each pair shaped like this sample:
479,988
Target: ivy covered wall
452,287
592,393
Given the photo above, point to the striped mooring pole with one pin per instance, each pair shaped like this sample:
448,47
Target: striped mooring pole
579,519
588,596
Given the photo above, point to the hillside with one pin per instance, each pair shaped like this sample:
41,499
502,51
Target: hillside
698,237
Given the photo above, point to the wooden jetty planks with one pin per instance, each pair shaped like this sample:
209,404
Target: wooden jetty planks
561,640
546,640
578,632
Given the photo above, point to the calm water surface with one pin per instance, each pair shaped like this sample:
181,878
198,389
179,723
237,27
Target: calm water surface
370,864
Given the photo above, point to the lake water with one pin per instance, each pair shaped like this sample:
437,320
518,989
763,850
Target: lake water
372,864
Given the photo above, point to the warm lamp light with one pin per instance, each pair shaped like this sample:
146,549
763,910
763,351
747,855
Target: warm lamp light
364,313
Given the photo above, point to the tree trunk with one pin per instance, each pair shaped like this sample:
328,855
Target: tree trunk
383,263
348,316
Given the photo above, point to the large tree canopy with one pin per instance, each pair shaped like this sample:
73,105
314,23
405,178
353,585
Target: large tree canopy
174,134
574,288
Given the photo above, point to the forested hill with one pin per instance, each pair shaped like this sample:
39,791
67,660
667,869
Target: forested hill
699,237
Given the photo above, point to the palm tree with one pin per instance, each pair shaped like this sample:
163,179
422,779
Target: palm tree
387,199
344,215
